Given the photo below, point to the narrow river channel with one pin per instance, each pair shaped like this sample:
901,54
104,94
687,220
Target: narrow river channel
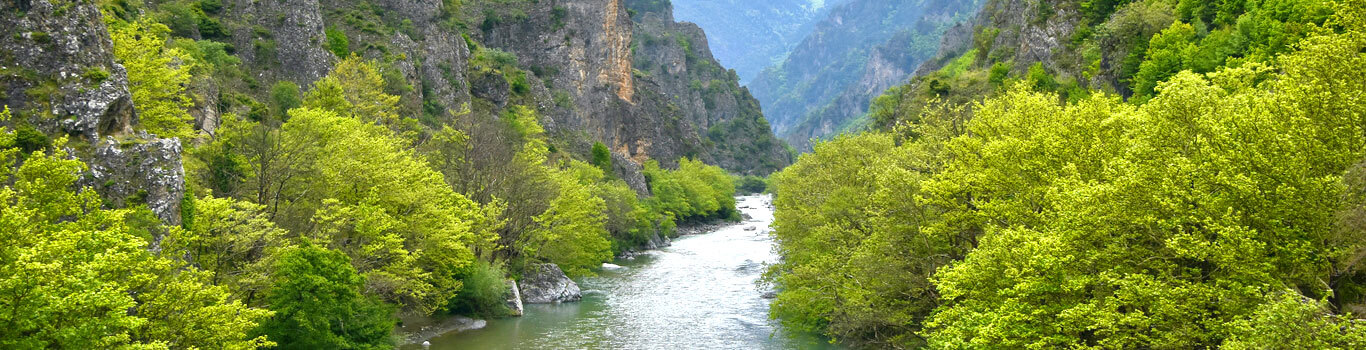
700,293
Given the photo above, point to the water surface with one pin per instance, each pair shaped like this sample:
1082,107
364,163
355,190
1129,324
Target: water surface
698,294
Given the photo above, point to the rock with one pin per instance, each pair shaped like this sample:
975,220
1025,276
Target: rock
611,266
282,37
770,294
136,170
69,82
514,301
546,284
420,330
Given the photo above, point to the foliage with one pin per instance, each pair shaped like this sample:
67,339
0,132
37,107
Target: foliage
231,241
571,232
695,191
316,296
1212,215
337,42
484,291
157,76
79,276
602,157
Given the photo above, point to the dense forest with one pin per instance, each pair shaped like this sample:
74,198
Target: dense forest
312,215
1175,174
322,174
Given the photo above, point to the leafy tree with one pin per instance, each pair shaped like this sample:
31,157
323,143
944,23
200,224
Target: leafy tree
602,157
373,199
337,42
231,241
572,232
74,275
286,96
316,296
157,76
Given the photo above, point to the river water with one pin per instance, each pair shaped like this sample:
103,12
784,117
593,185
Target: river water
700,293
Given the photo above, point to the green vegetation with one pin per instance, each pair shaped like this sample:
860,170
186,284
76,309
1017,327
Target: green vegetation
158,85
314,213
337,42
100,286
1222,211
318,304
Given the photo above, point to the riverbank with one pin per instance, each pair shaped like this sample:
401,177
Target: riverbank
701,284
698,293
416,330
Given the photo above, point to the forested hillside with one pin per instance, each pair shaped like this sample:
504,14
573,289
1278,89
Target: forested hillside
1124,174
749,36
298,174
859,49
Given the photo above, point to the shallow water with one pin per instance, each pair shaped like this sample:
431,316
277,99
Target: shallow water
698,294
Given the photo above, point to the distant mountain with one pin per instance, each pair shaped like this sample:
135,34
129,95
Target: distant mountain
750,35
860,48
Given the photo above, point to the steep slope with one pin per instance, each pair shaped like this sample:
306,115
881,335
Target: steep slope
860,49
674,64
571,59
60,80
1077,48
749,36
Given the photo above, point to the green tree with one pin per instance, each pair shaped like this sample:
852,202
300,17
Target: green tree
316,296
157,76
602,157
231,241
572,232
74,275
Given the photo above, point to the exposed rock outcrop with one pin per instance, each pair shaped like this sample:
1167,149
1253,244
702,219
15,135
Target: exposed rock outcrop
141,170
862,48
674,61
546,284
58,72
282,38
514,301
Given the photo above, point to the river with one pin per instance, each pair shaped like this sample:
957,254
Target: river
700,293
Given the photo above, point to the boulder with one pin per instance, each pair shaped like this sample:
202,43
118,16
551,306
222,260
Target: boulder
546,284
140,170
514,299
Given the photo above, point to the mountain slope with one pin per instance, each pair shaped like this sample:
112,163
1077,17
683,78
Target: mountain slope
861,48
749,36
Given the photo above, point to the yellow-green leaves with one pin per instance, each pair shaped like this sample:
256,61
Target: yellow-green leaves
572,232
157,76
70,272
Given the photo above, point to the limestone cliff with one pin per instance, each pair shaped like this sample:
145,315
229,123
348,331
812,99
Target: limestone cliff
59,77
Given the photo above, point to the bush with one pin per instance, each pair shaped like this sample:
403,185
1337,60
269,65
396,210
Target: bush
338,43
484,291
751,184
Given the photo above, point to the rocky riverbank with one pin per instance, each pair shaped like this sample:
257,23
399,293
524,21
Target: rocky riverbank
416,330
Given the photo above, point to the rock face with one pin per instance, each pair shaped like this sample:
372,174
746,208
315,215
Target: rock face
514,301
861,48
58,72
146,170
57,66
546,284
674,62
1017,31
282,38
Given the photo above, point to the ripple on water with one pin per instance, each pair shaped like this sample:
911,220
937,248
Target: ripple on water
700,293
